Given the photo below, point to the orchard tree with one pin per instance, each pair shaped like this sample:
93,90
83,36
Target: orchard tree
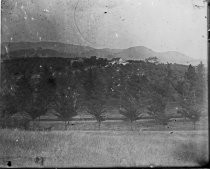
8,108
96,108
134,96
194,115
189,94
168,82
43,86
67,99
191,78
66,105
201,85
89,82
96,104
95,95
23,93
16,90
7,97
191,111
119,78
156,109
16,97
132,108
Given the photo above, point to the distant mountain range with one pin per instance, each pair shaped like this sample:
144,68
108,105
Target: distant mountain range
52,49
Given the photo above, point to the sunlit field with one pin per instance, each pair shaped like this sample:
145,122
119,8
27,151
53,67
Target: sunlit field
103,148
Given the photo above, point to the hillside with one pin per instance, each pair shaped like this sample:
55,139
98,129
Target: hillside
49,49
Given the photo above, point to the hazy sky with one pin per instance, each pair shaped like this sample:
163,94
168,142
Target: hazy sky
161,25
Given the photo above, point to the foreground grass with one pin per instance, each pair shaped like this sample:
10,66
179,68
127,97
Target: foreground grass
103,148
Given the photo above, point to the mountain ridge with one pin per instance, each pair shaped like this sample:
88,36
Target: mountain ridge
71,50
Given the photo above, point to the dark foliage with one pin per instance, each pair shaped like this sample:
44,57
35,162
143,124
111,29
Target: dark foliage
35,84
156,109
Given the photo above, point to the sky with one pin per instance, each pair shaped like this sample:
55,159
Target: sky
161,25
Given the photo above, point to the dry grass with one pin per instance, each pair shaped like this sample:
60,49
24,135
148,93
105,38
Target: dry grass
190,151
102,148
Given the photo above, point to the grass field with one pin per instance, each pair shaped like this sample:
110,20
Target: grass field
103,148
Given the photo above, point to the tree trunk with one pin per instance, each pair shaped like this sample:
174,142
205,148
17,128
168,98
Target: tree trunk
194,125
65,125
39,120
4,124
99,125
131,126
134,125
32,124
185,118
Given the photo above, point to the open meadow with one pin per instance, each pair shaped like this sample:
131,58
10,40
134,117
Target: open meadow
103,148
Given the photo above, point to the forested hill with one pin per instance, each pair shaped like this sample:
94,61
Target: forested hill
34,85
56,49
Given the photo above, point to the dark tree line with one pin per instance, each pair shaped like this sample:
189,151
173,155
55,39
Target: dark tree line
35,85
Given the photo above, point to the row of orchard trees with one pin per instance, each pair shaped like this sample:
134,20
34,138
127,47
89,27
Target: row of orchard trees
34,86
193,93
